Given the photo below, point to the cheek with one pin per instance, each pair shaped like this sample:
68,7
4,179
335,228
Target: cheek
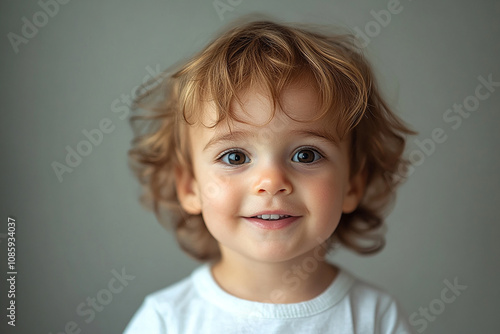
325,198
220,207
219,197
211,186
325,188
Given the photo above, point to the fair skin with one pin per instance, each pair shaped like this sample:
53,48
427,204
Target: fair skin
294,172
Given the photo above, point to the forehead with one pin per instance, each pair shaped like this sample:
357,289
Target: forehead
299,101
297,105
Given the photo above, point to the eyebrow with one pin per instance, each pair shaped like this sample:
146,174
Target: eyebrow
242,135
230,136
320,134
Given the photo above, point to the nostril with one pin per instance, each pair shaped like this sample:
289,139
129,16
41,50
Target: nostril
271,192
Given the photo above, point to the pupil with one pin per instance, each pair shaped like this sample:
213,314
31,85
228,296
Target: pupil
235,157
305,156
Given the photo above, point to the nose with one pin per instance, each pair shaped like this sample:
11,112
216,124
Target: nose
272,180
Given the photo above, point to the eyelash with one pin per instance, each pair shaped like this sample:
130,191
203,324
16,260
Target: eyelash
235,150
227,152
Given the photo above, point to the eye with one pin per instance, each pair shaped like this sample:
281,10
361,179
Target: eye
234,158
306,156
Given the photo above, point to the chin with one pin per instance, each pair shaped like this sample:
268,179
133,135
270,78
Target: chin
274,253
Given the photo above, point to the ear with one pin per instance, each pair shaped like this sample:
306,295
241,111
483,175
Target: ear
355,191
187,191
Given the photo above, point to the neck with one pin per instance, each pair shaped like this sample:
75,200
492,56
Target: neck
292,281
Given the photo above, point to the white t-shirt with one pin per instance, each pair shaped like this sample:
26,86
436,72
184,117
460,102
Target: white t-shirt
198,305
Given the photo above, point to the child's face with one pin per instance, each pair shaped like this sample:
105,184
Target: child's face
286,168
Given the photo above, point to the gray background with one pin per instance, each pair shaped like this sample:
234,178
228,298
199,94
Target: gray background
72,234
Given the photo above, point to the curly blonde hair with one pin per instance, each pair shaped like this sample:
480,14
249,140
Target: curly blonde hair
272,55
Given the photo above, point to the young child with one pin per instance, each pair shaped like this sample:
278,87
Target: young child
267,149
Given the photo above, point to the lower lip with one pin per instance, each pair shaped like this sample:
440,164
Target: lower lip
272,224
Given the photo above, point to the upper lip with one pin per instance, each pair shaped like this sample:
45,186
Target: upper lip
273,212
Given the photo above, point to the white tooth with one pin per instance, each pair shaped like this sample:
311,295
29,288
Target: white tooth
259,216
265,216
275,216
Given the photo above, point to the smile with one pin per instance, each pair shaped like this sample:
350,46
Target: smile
271,217
272,221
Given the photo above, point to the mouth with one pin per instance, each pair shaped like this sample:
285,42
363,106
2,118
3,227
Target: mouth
272,221
271,217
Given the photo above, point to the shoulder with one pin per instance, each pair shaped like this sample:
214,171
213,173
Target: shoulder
175,294
160,308
371,301
366,293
